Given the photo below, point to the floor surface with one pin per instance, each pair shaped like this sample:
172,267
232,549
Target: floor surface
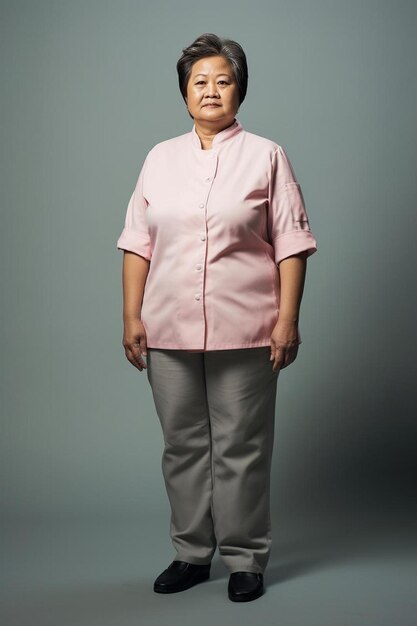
101,572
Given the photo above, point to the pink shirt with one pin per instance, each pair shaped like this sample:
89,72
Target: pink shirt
214,225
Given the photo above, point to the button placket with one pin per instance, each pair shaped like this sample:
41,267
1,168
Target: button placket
208,181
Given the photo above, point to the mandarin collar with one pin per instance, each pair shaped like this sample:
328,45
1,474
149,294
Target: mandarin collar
220,138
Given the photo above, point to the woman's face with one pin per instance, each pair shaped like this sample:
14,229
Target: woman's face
212,81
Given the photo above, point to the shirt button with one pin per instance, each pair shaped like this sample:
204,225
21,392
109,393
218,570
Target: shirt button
208,179
198,267
197,296
201,205
203,237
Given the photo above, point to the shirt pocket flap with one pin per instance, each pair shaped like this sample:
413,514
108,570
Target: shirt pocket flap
296,200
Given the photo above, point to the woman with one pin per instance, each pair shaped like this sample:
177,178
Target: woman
216,238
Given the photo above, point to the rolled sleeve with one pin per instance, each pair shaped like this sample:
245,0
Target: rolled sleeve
288,222
135,234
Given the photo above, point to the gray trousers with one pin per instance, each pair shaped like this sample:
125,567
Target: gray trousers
217,412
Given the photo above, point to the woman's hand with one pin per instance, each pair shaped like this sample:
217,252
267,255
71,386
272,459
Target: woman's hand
134,342
284,344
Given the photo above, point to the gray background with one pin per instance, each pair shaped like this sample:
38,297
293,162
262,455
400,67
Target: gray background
87,88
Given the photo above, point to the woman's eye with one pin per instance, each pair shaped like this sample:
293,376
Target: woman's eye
220,81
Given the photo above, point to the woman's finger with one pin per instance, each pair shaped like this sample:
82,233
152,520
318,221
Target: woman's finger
279,355
133,353
131,358
137,353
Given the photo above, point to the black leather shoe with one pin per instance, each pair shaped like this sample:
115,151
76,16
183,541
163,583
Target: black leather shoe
245,586
181,575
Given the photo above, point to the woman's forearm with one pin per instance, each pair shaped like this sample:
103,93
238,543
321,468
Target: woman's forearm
292,272
134,275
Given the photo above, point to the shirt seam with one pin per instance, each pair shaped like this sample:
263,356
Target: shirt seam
218,345
291,232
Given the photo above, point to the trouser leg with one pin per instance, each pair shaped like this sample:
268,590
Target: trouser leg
177,379
241,393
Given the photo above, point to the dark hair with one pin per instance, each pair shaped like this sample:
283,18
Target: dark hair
207,45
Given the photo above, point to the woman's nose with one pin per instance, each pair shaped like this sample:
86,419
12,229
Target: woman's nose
211,88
